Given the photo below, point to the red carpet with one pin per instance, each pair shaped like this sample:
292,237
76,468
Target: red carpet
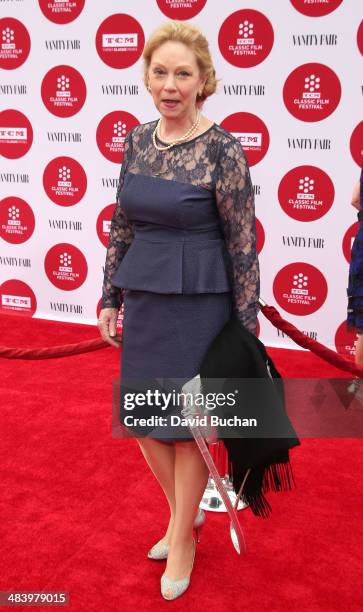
80,509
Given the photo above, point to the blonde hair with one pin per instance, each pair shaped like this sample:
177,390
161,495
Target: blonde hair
193,38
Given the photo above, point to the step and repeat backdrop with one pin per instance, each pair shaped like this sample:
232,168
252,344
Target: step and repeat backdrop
291,90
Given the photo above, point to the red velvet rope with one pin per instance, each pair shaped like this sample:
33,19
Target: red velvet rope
269,312
50,352
319,349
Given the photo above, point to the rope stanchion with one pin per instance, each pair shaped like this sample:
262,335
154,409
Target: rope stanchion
336,360
269,312
64,350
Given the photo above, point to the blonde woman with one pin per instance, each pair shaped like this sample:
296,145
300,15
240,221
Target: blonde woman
182,257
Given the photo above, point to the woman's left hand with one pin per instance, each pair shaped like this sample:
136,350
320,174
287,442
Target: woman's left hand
356,196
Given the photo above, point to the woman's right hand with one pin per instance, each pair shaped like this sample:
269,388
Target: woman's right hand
107,326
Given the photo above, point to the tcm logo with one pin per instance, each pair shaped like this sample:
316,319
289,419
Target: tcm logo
300,284
62,87
312,85
306,193
103,224
65,260
13,133
120,40
300,288
111,133
106,226
119,132
13,216
306,189
19,301
245,38
8,38
249,138
245,31
64,175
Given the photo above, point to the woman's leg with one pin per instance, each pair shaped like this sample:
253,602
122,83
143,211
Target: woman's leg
191,477
161,459
359,350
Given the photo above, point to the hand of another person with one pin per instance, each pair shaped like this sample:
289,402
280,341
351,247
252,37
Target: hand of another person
107,326
356,196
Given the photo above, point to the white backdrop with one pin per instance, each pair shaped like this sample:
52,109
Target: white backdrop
290,89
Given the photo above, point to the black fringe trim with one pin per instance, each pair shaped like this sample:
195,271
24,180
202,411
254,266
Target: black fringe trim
277,476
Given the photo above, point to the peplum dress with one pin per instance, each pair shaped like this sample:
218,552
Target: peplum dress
181,258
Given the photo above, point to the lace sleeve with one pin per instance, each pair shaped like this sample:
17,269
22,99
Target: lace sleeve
121,235
235,202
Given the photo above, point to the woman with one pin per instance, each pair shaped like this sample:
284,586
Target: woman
183,249
355,281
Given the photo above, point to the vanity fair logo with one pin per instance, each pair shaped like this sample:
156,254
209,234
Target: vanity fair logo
120,90
13,89
348,240
181,9
360,37
63,91
14,177
308,242
356,144
16,134
320,144
306,193
60,44
120,41
244,90
66,307
17,298
314,40
312,92
15,43
64,136
252,133
345,340
103,224
61,11
309,333
15,262
64,181
260,236
300,288
111,133
315,8
65,266
66,224
17,220
245,38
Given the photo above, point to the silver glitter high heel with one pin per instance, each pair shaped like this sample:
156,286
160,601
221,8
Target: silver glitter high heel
175,588
160,550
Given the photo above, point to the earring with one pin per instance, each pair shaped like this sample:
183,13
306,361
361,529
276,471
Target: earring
148,88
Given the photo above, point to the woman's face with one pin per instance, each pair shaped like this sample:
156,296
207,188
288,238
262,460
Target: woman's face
175,80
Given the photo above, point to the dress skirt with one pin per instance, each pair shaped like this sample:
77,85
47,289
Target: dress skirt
355,284
355,281
165,337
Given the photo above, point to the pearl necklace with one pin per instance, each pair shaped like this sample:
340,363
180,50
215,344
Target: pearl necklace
187,135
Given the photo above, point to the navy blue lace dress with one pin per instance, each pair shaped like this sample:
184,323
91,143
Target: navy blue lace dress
181,257
355,281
